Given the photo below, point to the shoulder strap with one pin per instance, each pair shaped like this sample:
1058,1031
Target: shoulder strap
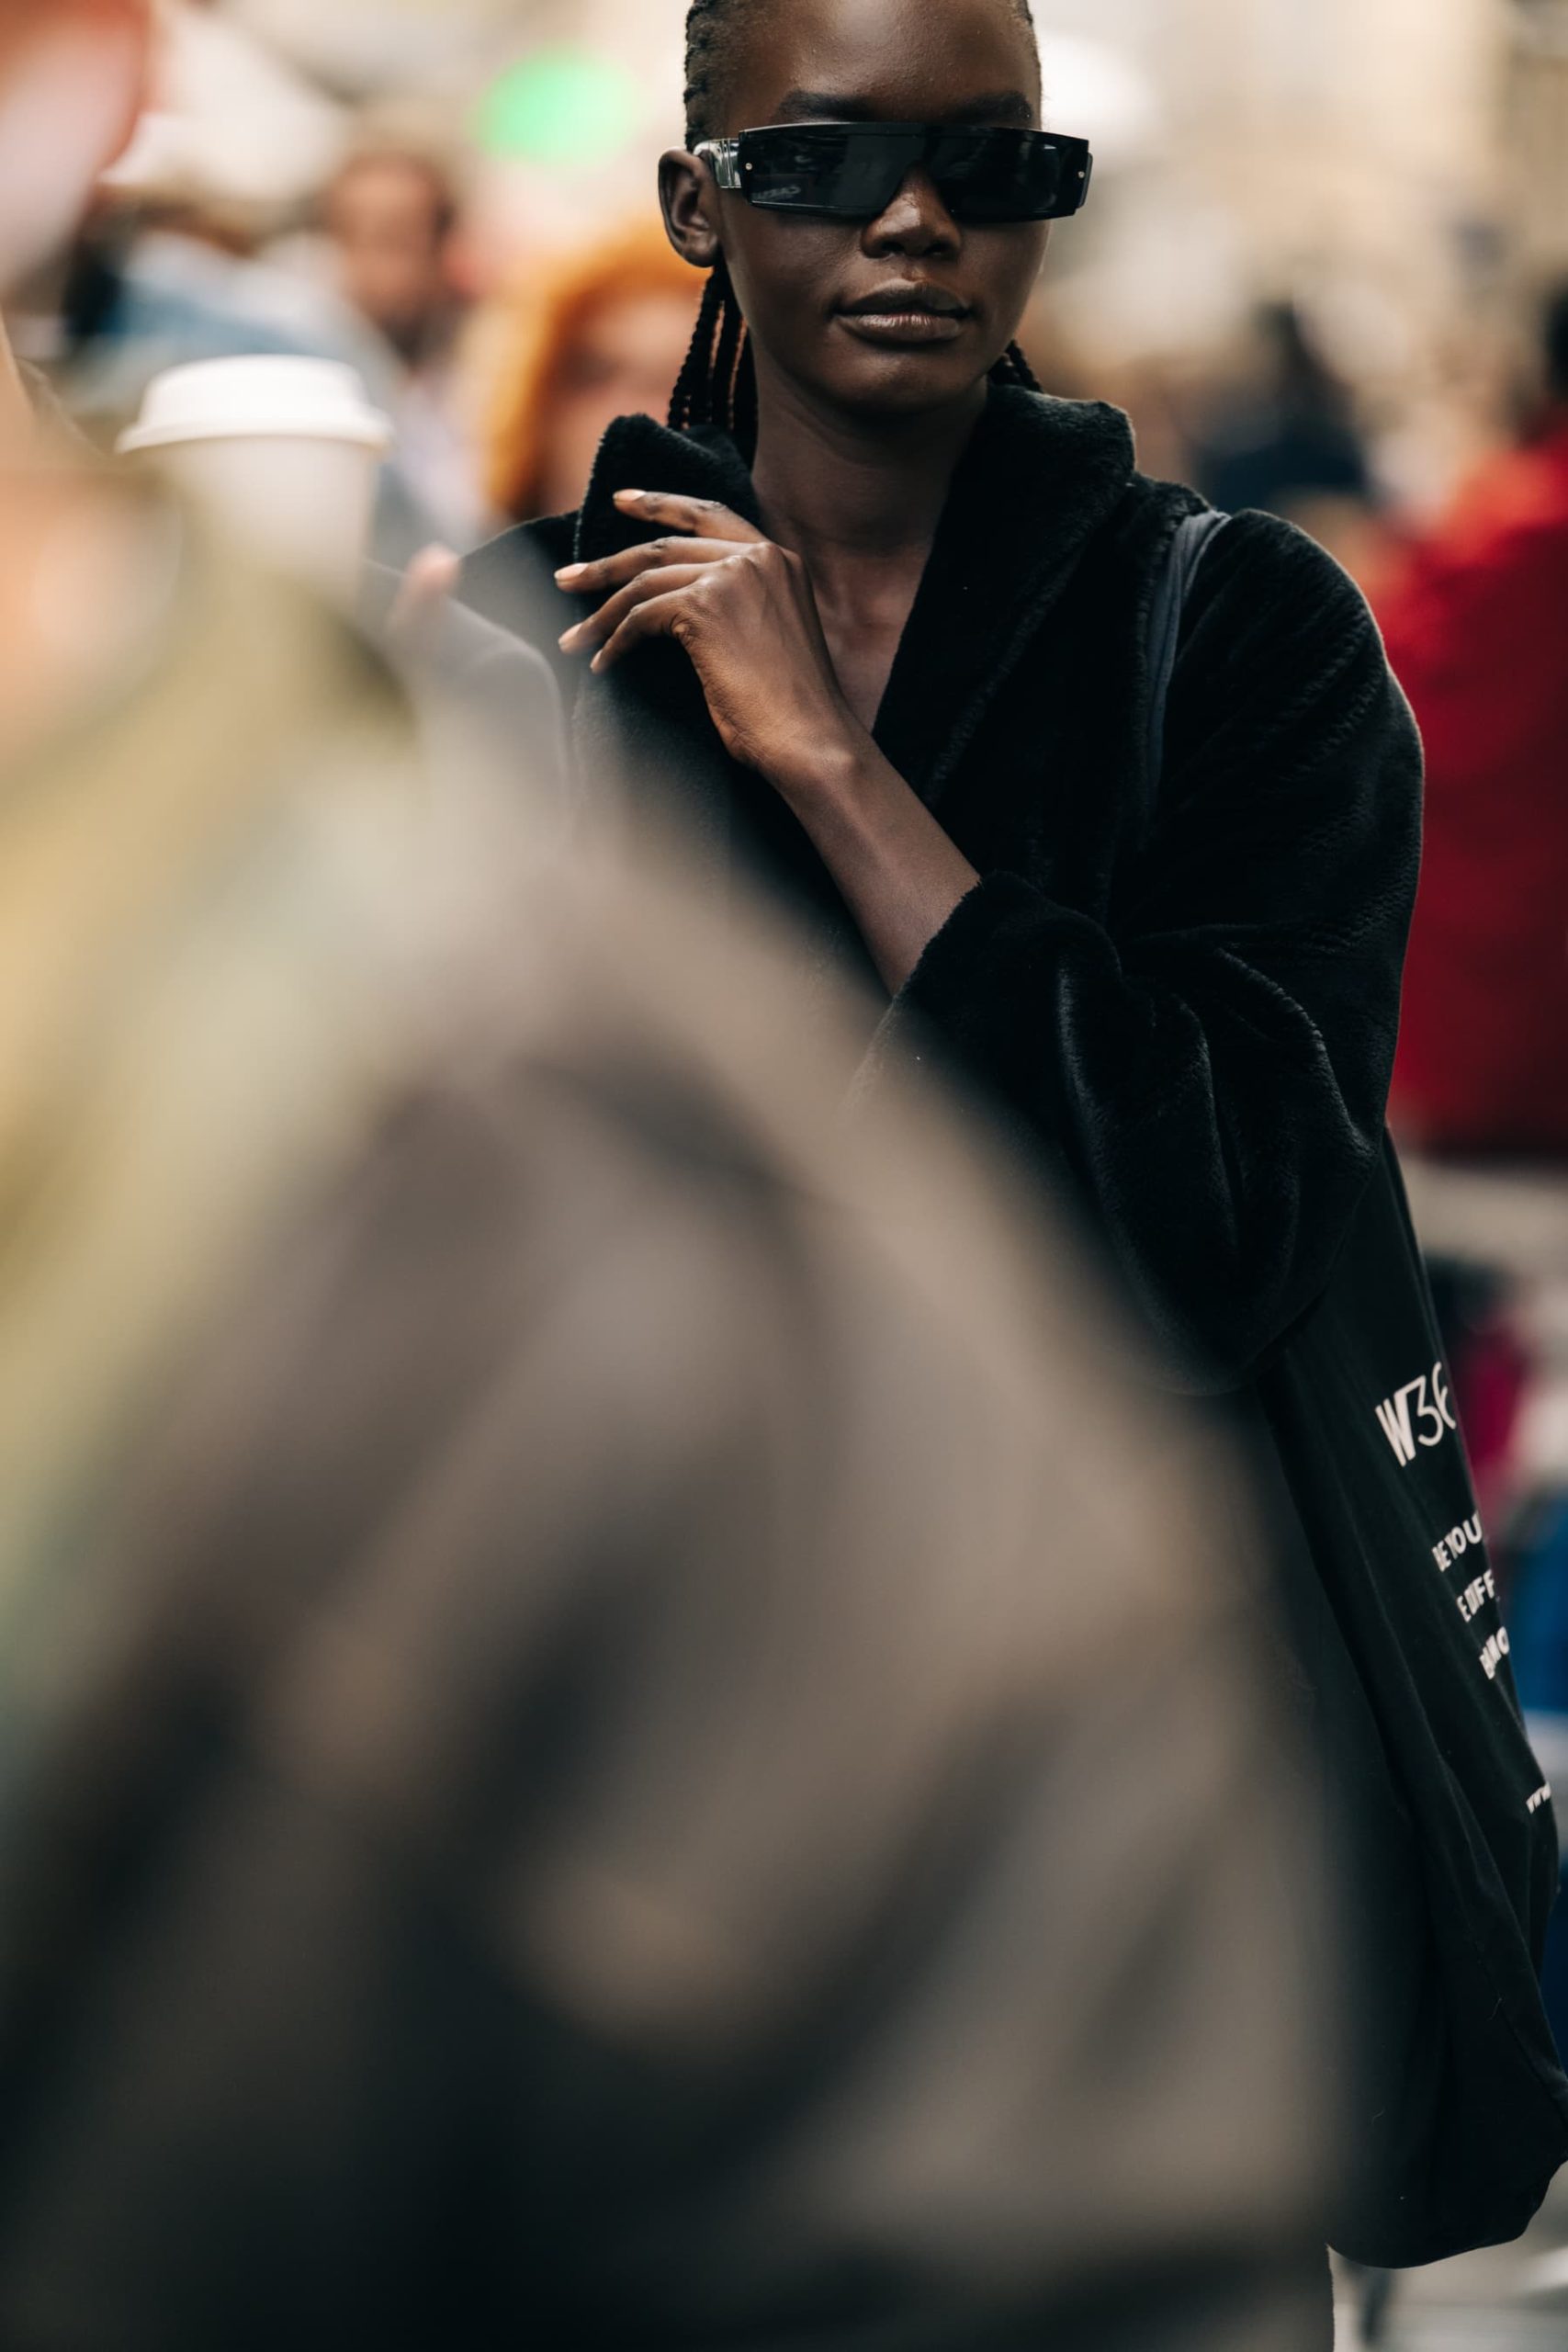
1189,543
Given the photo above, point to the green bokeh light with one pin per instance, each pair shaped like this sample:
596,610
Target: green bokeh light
559,105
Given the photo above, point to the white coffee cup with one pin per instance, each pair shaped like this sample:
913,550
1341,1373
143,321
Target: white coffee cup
283,452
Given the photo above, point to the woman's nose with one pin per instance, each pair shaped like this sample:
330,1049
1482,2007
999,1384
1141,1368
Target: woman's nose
917,222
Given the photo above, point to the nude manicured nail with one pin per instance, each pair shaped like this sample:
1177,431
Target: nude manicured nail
625,497
570,570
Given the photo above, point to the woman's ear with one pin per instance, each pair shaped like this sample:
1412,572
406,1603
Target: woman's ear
690,204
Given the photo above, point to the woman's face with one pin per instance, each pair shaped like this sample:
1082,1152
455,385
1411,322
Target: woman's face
804,281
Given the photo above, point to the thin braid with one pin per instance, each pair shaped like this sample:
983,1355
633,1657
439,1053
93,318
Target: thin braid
726,351
717,385
692,402
1012,367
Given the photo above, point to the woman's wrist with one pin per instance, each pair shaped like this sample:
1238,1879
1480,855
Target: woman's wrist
834,769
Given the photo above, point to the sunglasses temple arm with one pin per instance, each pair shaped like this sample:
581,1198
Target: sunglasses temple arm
723,157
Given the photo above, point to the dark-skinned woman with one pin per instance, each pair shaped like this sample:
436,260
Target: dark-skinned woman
904,642
880,612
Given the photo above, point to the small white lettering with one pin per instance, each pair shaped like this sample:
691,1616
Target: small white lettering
1394,1414
1542,1796
1440,1391
1431,1421
1496,1650
1457,1542
1474,1597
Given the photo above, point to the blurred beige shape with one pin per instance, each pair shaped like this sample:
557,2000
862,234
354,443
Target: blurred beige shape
282,454
703,1549
230,122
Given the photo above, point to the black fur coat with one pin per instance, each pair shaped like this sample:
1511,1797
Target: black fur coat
1189,1014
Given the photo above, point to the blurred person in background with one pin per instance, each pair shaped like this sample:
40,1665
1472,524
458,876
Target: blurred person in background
1280,436
1475,616
392,216
605,337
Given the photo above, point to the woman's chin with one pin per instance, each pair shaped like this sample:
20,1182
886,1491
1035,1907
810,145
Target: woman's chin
904,381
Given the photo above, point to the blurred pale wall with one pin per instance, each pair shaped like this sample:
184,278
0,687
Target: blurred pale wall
1535,133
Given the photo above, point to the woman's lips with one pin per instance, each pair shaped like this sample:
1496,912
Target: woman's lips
905,326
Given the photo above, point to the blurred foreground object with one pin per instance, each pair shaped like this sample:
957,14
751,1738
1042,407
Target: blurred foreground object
1476,621
73,79
631,1745
604,337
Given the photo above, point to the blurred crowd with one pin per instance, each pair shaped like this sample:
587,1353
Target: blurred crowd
363,236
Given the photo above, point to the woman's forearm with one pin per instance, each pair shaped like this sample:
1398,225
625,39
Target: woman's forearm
897,872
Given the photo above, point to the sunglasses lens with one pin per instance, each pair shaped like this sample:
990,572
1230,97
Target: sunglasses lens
825,167
997,175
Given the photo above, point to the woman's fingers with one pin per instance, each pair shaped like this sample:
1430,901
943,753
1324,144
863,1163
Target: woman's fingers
656,616
696,518
615,570
600,627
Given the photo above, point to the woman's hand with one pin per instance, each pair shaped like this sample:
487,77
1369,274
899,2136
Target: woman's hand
744,611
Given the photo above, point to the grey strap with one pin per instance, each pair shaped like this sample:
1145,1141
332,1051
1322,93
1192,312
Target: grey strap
1187,546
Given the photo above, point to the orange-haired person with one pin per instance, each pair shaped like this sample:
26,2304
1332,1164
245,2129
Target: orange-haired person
604,338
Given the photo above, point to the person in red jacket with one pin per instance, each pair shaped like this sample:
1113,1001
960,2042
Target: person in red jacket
1476,622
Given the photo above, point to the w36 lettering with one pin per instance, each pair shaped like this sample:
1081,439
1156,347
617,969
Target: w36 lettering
1418,1414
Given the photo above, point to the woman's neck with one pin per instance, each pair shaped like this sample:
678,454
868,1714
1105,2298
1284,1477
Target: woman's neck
848,496
859,506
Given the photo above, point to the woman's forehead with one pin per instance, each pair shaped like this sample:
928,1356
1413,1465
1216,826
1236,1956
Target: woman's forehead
904,60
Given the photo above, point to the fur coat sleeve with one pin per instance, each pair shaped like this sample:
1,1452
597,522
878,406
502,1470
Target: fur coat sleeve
1208,1067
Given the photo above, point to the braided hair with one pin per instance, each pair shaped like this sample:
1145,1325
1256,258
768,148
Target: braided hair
717,385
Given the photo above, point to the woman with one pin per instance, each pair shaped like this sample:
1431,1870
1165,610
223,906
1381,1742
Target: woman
605,337
881,615
903,652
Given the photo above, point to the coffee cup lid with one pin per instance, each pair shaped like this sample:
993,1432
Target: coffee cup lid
261,398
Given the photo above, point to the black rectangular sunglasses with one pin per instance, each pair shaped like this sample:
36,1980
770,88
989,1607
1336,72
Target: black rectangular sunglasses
854,170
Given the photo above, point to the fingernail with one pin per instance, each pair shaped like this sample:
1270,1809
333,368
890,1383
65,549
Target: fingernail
597,663
564,640
570,570
625,497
